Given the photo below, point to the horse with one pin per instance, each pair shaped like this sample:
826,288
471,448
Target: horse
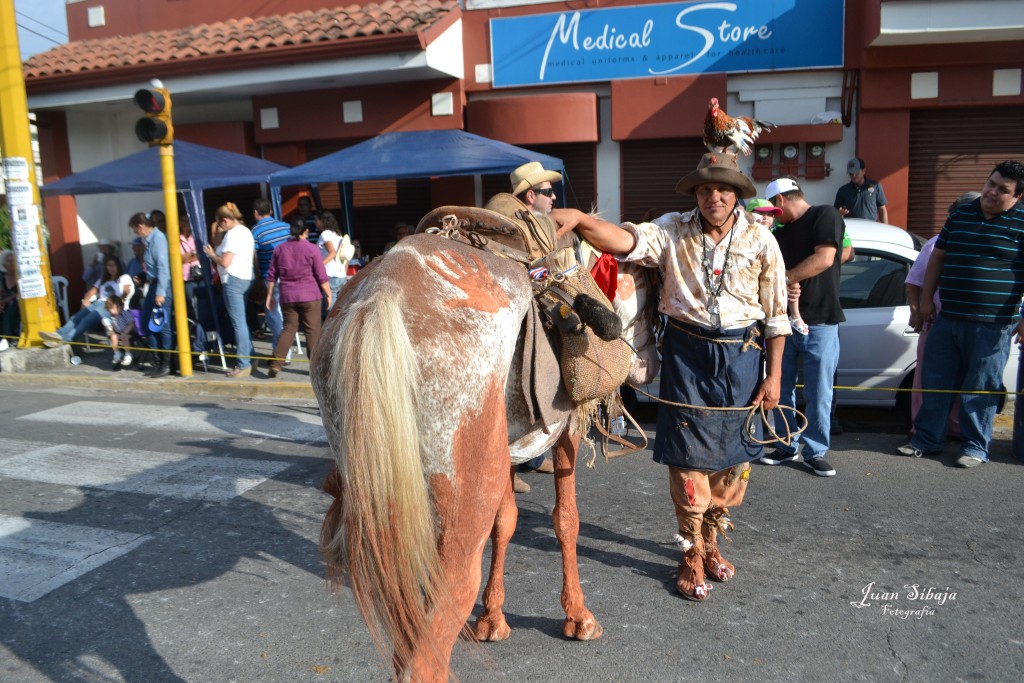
421,376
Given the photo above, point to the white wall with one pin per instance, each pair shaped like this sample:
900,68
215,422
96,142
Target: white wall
609,164
794,98
782,98
95,139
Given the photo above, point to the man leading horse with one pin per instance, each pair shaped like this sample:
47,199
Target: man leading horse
724,293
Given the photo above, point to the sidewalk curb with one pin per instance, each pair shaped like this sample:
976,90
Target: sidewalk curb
176,386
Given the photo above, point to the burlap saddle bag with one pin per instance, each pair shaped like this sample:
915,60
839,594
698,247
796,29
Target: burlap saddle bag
592,368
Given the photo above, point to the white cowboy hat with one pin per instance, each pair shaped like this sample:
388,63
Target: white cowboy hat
346,250
531,174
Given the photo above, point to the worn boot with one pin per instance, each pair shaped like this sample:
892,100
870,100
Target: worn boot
717,566
690,582
160,367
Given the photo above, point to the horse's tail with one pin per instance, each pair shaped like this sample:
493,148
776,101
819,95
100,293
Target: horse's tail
383,537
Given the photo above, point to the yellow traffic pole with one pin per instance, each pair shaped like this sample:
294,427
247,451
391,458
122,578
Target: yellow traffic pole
157,129
36,300
174,251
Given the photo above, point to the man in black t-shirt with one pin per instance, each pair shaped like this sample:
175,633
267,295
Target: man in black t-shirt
810,241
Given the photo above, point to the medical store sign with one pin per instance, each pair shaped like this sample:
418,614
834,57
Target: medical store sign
666,40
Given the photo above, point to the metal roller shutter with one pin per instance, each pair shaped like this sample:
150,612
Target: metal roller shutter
377,204
580,167
953,151
650,171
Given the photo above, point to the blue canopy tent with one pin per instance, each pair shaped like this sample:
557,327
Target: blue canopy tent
415,154
196,168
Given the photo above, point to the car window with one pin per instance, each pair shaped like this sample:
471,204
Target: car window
873,280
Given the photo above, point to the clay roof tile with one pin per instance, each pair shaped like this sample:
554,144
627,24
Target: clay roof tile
245,34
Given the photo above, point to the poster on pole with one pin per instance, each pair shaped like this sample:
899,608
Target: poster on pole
16,168
25,237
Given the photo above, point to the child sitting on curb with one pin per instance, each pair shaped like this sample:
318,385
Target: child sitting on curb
119,328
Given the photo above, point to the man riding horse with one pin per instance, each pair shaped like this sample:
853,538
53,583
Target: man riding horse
724,293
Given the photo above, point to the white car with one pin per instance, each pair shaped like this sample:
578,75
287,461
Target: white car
878,349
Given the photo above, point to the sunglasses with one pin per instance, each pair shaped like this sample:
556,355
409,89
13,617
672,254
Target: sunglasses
546,191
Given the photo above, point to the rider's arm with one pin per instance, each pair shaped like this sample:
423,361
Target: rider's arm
606,236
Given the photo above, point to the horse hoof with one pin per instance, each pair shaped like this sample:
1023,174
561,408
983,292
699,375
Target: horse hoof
491,630
588,629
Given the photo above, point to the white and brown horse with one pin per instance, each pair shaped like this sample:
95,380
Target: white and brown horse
419,375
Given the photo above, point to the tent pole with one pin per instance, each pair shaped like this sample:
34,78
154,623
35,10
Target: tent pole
196,210
345,190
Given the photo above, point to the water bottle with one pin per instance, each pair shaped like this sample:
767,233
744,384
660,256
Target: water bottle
619,426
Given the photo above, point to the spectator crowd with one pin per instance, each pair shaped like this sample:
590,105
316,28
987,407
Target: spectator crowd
243,282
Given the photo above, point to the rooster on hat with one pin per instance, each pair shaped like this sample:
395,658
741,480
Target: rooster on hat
722,131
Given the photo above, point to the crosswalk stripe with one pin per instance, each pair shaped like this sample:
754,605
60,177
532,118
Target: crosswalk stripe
38,556
178,475
192,420
41,556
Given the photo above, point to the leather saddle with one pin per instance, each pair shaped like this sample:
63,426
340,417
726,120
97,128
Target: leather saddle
505,226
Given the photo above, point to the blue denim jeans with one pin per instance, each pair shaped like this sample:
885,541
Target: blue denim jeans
83,321
336,284
962,355
819,350
275,319
235,291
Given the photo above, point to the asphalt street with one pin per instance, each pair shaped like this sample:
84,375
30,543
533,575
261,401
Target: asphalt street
149,538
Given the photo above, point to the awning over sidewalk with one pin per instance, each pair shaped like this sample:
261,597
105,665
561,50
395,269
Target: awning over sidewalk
195,168
414,154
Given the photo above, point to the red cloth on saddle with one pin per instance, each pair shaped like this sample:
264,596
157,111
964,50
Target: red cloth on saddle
606,275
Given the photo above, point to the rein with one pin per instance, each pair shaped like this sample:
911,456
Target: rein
452,228
753,411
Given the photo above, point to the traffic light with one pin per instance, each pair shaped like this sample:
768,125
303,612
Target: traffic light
155,128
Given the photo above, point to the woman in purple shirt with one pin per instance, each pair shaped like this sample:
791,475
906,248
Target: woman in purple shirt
297,269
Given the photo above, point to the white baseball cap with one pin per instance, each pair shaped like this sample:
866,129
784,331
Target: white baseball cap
780,186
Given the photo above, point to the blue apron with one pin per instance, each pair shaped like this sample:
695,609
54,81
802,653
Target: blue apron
714,368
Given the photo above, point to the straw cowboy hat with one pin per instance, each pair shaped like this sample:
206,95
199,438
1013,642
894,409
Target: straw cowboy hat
718,167
530,175
346,250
